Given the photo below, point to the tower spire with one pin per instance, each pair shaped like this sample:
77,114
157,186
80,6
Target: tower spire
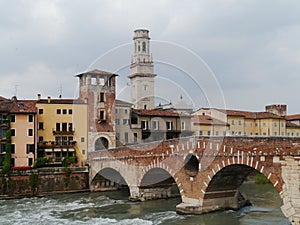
142,71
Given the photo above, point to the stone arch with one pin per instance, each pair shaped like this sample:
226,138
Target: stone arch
108,178
102,142
222,189
158,182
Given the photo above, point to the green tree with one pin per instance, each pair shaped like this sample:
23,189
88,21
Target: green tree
7,158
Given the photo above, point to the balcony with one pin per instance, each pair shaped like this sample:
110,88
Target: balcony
63,132
56,144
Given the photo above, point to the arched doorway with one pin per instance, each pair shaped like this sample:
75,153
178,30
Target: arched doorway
101,144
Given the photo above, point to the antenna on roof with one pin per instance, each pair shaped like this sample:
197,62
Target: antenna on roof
60,91
16,89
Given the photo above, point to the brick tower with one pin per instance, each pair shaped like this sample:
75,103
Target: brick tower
97,88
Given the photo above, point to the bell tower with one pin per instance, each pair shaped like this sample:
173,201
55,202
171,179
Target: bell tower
142,72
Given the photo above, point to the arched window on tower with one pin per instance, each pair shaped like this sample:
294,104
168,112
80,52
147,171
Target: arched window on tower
144,46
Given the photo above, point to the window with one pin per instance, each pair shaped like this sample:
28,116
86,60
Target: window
264,124
182,125
41,138
82,139
145,125
30,161
93,81
275,124
109,82
41,111
240,122
125,121
200,132
30,132
13,151
12,118
169,125
144,46
83,152
145,106
101,81
12,132
29,148
126,137
275,133
2,148
30,118
57,126
145,87
155,125
116,110
64,126
101,97
64,111
118,136
232,122
264,134
41,126
70,127
126,111
70,111
217,133
135,137
256,124
58,111
117,121
102,115
208,133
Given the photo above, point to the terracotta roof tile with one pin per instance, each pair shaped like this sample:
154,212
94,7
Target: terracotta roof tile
23,106
293,117
158,112
290,124
207,120
250,115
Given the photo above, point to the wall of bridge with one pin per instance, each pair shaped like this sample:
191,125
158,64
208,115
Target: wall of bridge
223,164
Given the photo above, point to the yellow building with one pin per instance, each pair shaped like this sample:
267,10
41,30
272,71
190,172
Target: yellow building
23,132
18,116
272,122
62,129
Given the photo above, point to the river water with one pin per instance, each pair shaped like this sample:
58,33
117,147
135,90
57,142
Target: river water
108,208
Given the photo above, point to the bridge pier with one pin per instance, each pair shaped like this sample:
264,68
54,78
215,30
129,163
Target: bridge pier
214,201
291,190
150,193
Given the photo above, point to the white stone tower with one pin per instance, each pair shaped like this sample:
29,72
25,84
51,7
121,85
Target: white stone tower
141,72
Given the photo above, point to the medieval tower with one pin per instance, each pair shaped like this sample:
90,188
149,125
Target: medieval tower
97,89
141,72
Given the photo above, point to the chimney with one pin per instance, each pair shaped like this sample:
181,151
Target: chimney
49,99
279,110
39,97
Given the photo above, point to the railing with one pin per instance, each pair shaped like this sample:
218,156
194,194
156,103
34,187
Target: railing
56,143
63,132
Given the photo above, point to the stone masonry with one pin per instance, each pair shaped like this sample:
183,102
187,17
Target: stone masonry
208,171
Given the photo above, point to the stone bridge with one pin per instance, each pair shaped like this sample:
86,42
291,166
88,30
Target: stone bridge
206,171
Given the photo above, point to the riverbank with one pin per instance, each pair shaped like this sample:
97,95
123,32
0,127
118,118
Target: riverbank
44,181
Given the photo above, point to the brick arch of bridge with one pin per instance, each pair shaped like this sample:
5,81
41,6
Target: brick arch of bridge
128,172
161,166
270,170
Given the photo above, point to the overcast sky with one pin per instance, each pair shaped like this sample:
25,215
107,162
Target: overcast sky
252,48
